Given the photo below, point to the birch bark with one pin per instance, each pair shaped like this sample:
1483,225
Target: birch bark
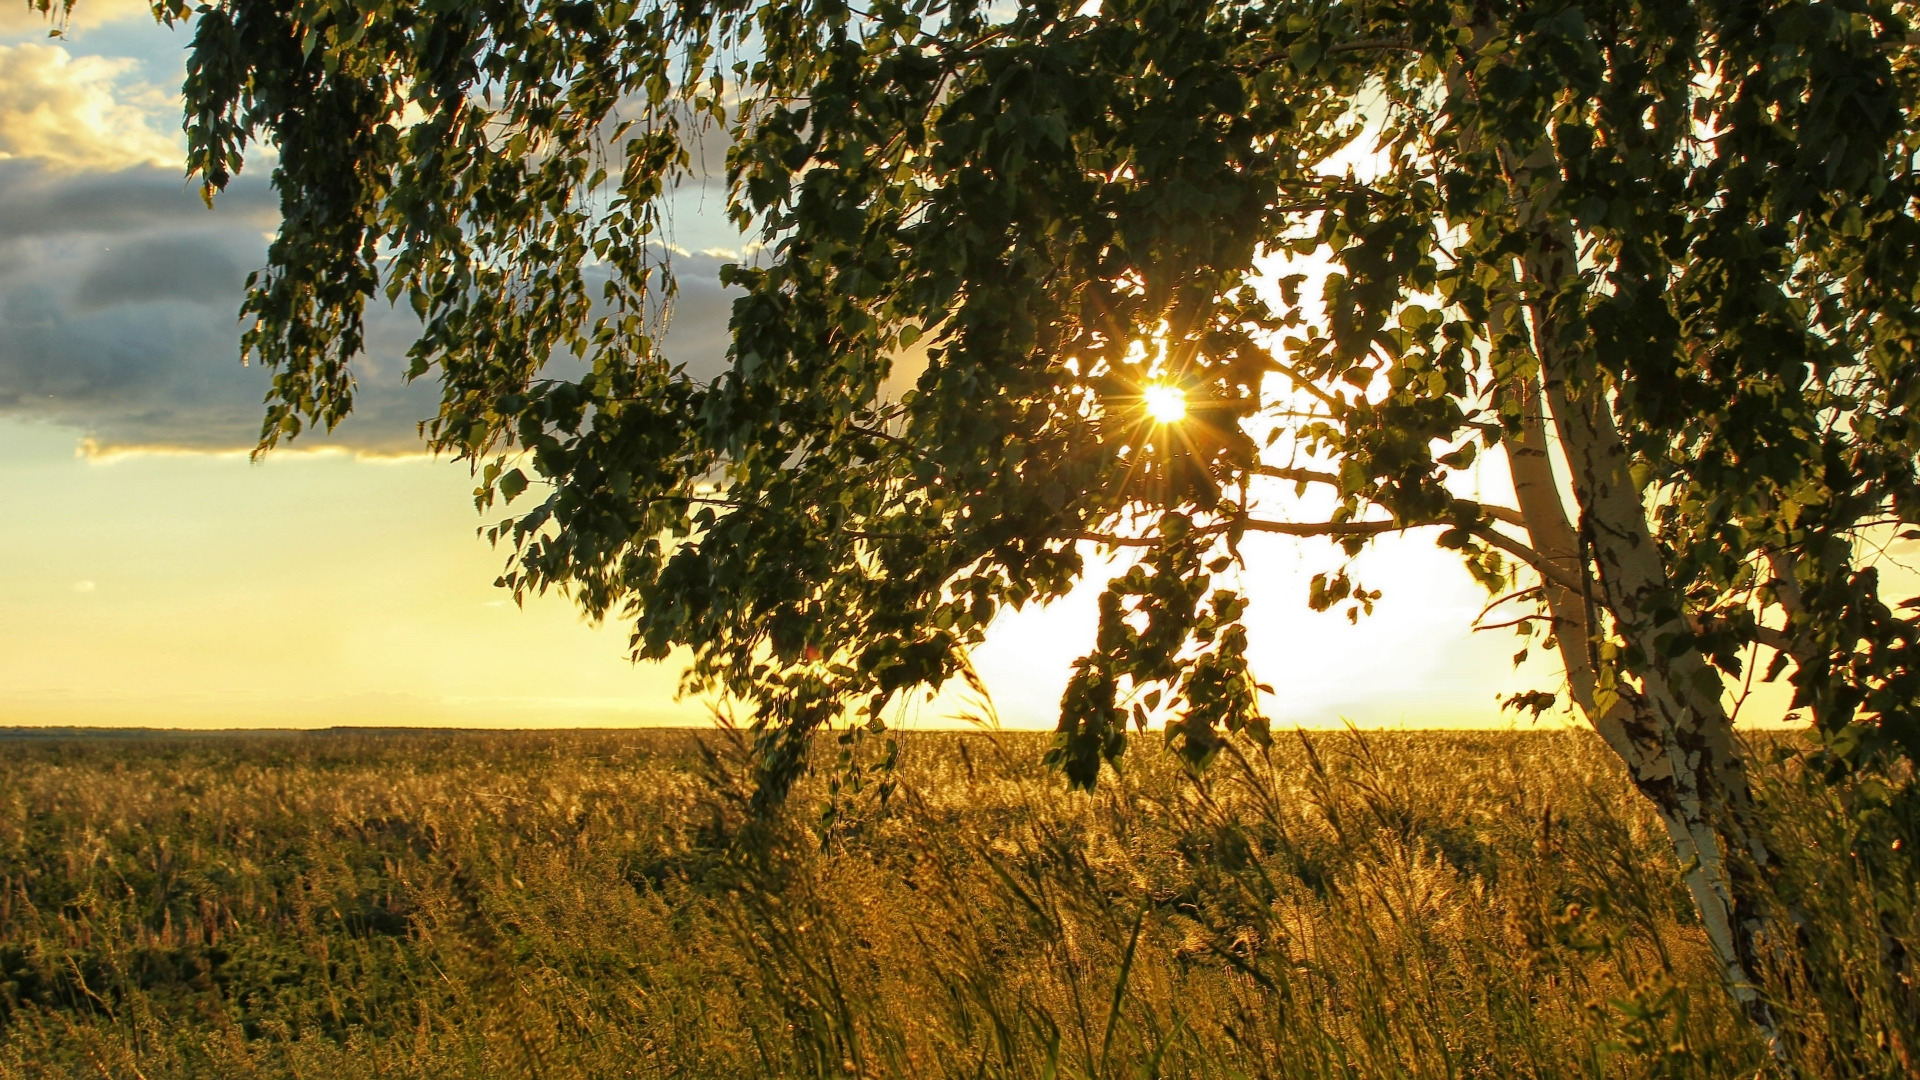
1671,730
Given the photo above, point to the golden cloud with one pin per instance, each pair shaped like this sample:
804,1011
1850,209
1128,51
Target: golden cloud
77,113
20,18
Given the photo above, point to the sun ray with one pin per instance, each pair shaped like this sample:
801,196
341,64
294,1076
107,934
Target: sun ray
1164,402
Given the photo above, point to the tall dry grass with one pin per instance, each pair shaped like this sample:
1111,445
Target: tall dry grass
600,905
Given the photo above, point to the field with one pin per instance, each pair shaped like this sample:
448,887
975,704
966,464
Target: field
600,905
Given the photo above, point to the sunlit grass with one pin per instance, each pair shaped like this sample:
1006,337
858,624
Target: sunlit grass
597,904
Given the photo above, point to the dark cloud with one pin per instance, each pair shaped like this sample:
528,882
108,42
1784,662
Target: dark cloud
119,296
196,269
38,202
697,333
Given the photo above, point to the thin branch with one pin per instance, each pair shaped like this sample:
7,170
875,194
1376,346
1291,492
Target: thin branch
1523,620
1530,591
1283,528
1760,633
1111,540
1373,45
1297,414
1776,640
884,436
1329,528
1489,535
1308,476
1339,529
1506,515
1746,687
1301,382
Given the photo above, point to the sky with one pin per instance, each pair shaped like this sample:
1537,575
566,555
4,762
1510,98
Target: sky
155,576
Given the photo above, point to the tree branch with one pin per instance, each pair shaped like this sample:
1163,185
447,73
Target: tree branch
1373,45
884,436
1308,476
1506,515
1776,640
1521,620
1481,530
1489,535
1111,540
1283,528
1772,637
1503,514
1327,528
1530,592
1301,382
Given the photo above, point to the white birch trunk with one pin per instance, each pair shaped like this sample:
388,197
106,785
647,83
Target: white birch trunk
1671,731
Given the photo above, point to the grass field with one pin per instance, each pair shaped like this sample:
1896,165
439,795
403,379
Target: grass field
597,905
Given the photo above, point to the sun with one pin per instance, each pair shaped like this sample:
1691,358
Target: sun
1165,402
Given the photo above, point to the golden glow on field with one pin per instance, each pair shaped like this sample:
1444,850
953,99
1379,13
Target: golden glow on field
1164,402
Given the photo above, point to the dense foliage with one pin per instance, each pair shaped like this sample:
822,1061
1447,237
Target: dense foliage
1697,215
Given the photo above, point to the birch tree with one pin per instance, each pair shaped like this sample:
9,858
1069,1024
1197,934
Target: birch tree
1038,279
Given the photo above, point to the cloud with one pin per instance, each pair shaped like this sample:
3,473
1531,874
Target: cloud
119,297
16,17
119,301
120,291
697,334
79,113
40,202
190,268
